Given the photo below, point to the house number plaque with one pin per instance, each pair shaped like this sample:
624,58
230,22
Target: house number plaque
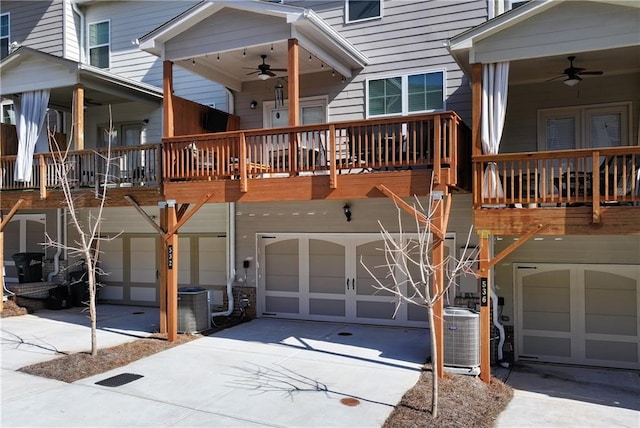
484,292
170,256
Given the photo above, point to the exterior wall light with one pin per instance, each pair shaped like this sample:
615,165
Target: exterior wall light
347,211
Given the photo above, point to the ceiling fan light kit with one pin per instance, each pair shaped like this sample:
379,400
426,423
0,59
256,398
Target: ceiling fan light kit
573,74
572,81
263,76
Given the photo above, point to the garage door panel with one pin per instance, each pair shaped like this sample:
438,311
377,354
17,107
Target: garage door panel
547,299
417,313
282,283
551,321
278,304
327,285
611,351
327,271
611,324
550,346
327,307
376,310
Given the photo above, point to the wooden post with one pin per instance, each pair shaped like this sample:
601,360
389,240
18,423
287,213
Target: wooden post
485,315
43,176
162,248
293,69
171,246
476,130
4,221
438,306
78,116
167,100
242,164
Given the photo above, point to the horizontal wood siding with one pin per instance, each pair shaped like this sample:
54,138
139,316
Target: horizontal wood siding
37,24
131,20
28,76
565,28
233,28
408,39
520,131
71,33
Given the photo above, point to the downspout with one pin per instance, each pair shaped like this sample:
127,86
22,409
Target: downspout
231,251
56,257
77,10
496,322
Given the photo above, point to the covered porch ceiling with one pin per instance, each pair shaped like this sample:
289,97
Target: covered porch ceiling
25,70
538,37
224,41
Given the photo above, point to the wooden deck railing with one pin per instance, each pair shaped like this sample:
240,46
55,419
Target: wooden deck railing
430,140
129,166
596,176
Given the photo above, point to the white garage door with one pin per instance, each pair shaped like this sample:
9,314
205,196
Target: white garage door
580,314
320,277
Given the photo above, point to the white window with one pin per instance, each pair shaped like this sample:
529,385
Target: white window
411,93
8,113
4,35
99,40
362,10
512,4
120,134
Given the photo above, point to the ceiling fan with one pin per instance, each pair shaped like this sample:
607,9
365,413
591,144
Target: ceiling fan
573,73
264,70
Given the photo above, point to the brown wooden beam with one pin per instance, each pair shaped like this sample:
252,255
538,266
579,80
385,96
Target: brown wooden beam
513,246
437,255
293,82
144,215
78,116
163,277
173,229
171,249
485,315
3,223
167,101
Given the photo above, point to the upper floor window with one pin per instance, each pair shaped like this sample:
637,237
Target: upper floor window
360,10
99,44
512,4
4,35
8,113
412,93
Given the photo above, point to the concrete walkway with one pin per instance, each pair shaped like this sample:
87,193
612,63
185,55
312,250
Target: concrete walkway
262,373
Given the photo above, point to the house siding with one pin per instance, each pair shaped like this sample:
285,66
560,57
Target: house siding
37,24
71,33
409,38
127,60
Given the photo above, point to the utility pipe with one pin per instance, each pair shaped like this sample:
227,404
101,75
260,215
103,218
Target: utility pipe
56,257
231,251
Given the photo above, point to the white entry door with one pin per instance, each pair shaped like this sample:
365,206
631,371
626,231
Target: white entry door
579,314
321,277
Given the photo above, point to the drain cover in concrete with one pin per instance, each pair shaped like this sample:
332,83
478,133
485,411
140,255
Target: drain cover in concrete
119,380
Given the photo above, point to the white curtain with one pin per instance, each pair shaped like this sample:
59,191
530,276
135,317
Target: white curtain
495,79
31,109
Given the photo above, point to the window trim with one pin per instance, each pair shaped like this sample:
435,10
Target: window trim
108,44
8,36
350,21
405,93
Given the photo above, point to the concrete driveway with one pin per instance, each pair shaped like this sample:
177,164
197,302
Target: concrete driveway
262,373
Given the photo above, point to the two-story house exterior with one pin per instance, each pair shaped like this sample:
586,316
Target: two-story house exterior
342,105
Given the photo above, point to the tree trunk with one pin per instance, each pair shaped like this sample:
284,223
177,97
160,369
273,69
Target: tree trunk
434,364
91,280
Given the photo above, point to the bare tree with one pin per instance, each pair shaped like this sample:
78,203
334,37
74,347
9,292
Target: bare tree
411,271
86,247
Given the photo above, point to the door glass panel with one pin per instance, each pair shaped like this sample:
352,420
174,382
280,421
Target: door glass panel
606,130
326,267
561,133
282,267
372,255
546,301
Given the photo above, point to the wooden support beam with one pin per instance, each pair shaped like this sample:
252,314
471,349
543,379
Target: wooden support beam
293,82
595,188
242,165
173,229
333,166
171,249
43,177
3,223
437,232
78,116
485,315
524,238
168,129
162,250
182,210
144,215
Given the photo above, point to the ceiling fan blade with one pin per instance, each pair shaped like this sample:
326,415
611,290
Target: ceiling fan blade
591,73
270,73
557,77
278,69
253,72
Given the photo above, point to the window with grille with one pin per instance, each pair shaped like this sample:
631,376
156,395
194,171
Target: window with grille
99,41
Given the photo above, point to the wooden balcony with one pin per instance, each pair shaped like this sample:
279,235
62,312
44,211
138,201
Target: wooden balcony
345,160
572,192
133,171
325,161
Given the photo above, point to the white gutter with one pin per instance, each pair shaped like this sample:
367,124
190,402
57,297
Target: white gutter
56,257
231,250
77,10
